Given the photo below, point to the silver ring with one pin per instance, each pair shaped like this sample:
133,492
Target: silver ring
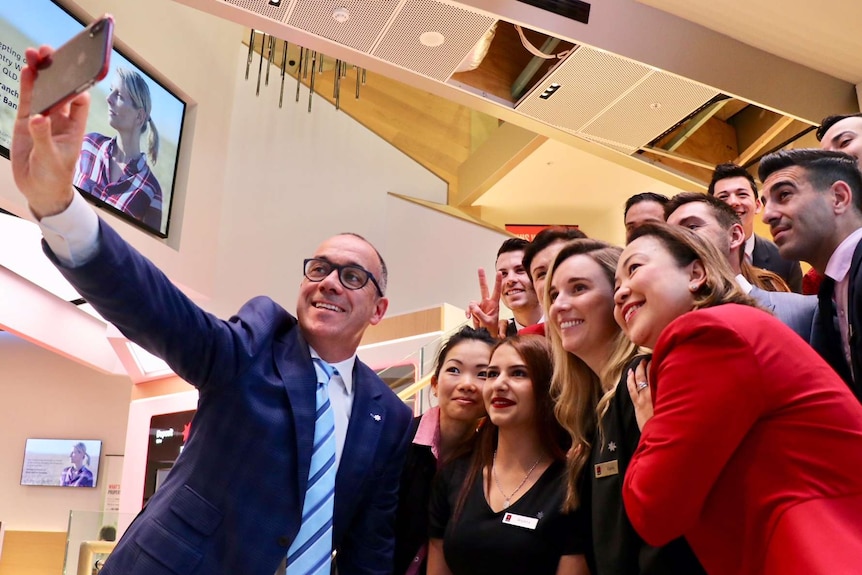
642,385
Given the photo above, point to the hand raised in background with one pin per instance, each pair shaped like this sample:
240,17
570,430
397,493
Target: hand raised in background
486,312
45,148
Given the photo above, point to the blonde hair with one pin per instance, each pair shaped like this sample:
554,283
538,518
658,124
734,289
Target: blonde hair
139,92
580,395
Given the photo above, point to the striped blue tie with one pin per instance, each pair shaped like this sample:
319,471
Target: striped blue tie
311,551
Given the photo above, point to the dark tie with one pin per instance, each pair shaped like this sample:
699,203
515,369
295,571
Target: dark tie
311,551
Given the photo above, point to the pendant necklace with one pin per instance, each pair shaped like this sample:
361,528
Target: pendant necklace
508,498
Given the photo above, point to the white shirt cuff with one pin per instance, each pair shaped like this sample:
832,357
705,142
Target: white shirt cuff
73,234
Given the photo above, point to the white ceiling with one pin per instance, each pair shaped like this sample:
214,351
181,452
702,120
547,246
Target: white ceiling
557,175
825,36
813,34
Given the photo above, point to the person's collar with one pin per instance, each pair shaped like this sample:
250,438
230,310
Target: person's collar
749,247
344,368
428,432
744,284
842,257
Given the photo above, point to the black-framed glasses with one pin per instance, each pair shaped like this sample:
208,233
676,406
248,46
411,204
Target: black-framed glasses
351,276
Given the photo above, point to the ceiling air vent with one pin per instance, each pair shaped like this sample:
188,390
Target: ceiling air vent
572,9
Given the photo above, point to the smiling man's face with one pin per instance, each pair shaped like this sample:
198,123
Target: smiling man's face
332,317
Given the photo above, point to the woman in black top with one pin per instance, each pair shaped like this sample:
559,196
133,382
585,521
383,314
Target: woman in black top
499,511
440,433
593,404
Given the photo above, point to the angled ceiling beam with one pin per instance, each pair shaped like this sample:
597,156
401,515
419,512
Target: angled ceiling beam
678,157
694,125
763,140
494,159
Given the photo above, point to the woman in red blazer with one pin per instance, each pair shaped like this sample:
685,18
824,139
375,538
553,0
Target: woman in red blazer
754,448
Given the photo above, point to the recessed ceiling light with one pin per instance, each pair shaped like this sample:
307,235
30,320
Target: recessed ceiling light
341,15
432,39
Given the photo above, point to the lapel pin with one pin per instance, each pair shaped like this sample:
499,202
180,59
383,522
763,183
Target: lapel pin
375,416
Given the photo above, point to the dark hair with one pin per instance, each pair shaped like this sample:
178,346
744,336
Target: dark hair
466,333
644,197
724,214
822,167
685,247
513,245
830,121
108,533
384,272
727,218
731,170
535,351
547,237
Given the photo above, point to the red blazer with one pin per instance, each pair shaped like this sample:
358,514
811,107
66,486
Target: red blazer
754,452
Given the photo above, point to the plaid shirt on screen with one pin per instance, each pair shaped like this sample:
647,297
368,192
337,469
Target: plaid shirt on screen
136,193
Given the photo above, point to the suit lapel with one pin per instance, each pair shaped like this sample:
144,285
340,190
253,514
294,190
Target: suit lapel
760,255
293,362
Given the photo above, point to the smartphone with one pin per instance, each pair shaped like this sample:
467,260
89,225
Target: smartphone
74,66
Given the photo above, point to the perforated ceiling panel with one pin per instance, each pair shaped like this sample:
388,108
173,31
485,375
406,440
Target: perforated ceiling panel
262,7
590,82
365,22
461,29
612,100
648,109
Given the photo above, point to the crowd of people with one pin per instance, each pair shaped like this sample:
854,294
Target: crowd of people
672,406
713,420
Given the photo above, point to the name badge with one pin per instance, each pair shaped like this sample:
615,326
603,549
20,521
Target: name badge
520,521
607,468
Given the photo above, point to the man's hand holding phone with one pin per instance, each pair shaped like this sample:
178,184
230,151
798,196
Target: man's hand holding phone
45,148
46,142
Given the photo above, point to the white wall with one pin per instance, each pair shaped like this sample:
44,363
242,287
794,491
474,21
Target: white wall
47,396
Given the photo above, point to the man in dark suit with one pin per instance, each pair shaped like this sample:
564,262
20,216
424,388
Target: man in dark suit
718,224
813,202
733,185
287,414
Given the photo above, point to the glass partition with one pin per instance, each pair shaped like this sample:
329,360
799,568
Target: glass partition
91,538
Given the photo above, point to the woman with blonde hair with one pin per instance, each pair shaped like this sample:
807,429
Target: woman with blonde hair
592,357
78,474
752,449
115,170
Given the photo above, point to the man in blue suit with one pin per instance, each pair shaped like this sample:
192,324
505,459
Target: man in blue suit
719,225
238,498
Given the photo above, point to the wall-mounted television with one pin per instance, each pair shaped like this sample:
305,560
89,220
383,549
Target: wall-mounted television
128,162
61,462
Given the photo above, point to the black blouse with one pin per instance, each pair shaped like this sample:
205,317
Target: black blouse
529,537
618,549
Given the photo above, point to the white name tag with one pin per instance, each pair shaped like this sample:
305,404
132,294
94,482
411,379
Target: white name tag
520,521
607,468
